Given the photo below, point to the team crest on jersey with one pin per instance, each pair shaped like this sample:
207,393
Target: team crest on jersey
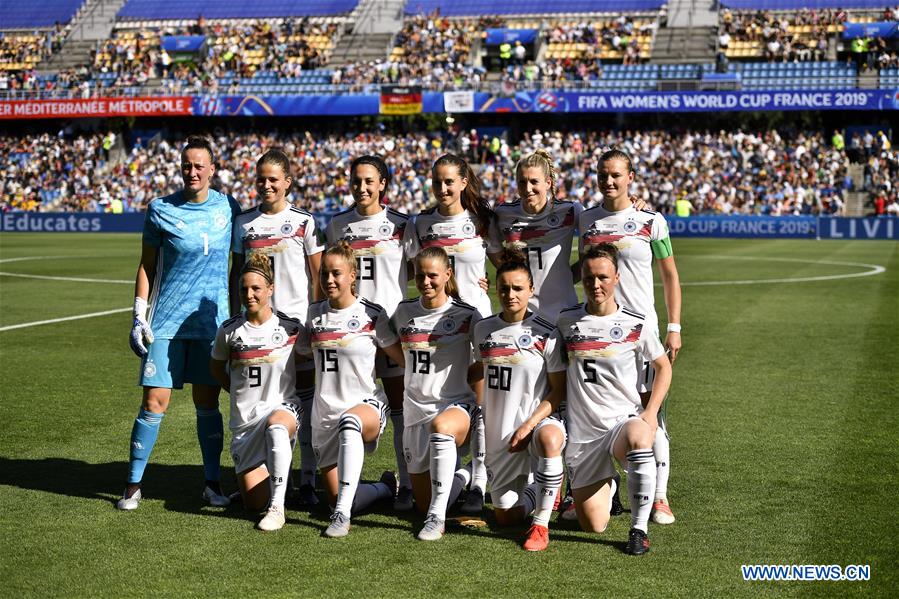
385,230
553,220
468,229
286,229
448,325
525,341
149,369
353,325
616,333
630,226
221,221
278,337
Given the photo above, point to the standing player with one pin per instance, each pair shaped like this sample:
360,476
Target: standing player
459,224
342,334
292,242
605,417
441,384
640,236
543,228
525,377
382,240
253,358
181,298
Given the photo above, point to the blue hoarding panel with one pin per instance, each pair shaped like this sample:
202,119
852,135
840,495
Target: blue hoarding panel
71,222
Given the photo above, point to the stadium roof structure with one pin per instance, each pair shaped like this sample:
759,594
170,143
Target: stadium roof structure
28,15
232,9
799,4
460,8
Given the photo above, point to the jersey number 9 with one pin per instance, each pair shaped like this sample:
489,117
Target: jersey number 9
254,375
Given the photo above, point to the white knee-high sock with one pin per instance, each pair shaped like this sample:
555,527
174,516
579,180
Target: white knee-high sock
396,418
443,462
350,455
548,478
280,452
304,436
478,451
661,448
641,484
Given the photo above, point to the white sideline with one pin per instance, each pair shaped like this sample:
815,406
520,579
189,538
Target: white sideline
71,279
64,319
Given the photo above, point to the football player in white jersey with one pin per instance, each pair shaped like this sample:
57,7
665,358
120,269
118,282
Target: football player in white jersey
544,228
459,224
290,239
342,335
442,385
525,384
642,238
253,358
383,241
605,416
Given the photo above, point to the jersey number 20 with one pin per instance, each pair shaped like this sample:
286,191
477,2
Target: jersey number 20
499,377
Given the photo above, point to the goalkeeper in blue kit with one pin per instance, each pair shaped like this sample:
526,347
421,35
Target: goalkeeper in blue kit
181,298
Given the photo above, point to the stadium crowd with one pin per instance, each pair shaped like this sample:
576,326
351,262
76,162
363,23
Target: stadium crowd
718,172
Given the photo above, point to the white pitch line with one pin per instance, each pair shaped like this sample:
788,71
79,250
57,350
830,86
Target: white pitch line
70,279
67,318
874,269
5,260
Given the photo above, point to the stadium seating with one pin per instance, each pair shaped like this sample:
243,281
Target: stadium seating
460,8
799,4
37,15
809,75
889,78
232,9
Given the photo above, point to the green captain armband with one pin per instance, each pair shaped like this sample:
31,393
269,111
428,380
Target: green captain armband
661,248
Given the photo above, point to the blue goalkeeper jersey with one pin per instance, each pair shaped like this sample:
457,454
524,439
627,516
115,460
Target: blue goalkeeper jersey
189,298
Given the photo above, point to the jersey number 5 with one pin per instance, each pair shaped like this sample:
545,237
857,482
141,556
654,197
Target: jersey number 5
590,371
499,377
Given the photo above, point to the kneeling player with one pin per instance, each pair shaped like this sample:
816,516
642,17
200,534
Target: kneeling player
349,411
253,358
605,419
525,384
442,384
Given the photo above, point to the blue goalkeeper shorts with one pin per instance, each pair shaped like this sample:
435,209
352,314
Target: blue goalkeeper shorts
170,363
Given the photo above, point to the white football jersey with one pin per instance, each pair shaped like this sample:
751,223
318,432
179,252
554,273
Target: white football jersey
546,238
602,354
517,357
382,244
261,365
631,231
286,238
343,344
438,349
467,251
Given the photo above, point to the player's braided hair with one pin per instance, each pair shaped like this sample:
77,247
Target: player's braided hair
278,158
438,253
471,195
380,166
344,250
259,264
511,260
542,160
603,250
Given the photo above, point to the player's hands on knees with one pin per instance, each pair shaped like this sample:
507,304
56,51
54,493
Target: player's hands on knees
521,438
672,345
650,418
141,333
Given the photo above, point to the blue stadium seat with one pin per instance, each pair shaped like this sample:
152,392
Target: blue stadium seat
231,9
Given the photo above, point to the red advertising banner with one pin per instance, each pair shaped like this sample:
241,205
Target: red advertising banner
95,107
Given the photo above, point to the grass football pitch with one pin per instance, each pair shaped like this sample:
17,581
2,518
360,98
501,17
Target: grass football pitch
785,449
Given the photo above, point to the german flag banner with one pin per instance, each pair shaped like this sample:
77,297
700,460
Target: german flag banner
400,99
